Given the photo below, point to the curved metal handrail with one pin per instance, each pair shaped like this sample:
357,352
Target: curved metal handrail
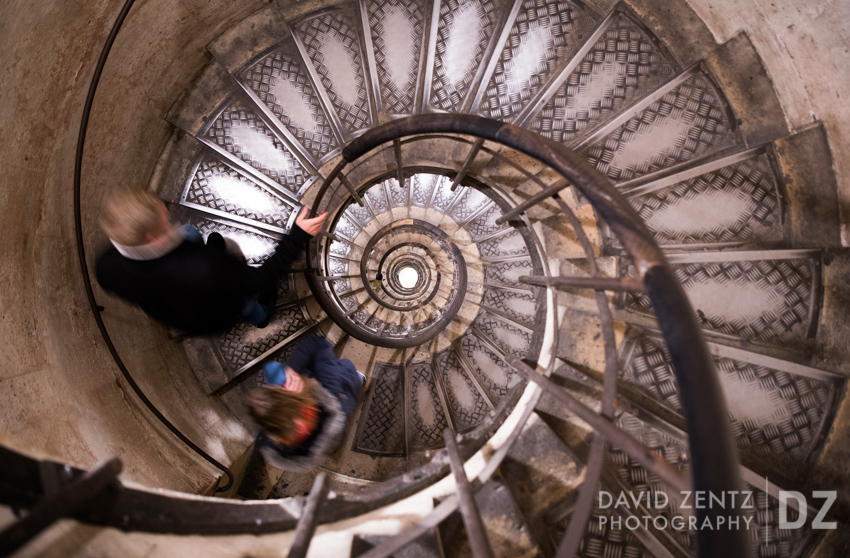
714,459
329,300
404,342
81,252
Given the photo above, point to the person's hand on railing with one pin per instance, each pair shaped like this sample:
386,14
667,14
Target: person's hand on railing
310,226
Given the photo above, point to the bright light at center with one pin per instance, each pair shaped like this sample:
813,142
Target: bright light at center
407,277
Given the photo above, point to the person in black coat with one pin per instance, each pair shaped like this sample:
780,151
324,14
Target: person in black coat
180,281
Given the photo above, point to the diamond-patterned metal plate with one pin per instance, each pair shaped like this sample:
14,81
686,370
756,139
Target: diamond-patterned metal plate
333,45
427,418
485,224
222,188
465,29
767,300
243,342
346,228
377,198
623,66
545,34
508,338
735,203
362,317
779,543
466,404
347,302
242,133
775,415
510,244
382,428
390,328
636,478
397,32
496,376
471,200
601,541
508,273
688,122
398,194
523,308
339,267
359,214
342,286
281,82
422,187
342,249
255,247
424,323
766,538
442,194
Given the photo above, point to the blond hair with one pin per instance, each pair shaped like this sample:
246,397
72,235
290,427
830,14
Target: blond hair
275,409
130,216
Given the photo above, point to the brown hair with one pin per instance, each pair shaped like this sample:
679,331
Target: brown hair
275,409
129,216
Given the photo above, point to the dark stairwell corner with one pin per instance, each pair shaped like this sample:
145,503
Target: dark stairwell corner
722,125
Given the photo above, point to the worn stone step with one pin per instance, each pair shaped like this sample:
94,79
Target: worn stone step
507,533
540,471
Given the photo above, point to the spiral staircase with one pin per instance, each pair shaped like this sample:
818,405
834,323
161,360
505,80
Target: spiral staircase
439,263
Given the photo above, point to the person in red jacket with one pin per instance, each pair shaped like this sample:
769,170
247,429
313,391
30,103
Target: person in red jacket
180,281
305,406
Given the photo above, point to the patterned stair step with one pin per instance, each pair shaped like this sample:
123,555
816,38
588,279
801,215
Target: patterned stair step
686,119
330,40
489,366
239,352
381,429
466,400
619,64
766,539
769,296
427,408
733,199
220,189
542,38
460,36
240,134
780,411
280,84
396,31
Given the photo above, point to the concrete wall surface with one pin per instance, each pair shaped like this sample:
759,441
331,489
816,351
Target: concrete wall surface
805,47
60,391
